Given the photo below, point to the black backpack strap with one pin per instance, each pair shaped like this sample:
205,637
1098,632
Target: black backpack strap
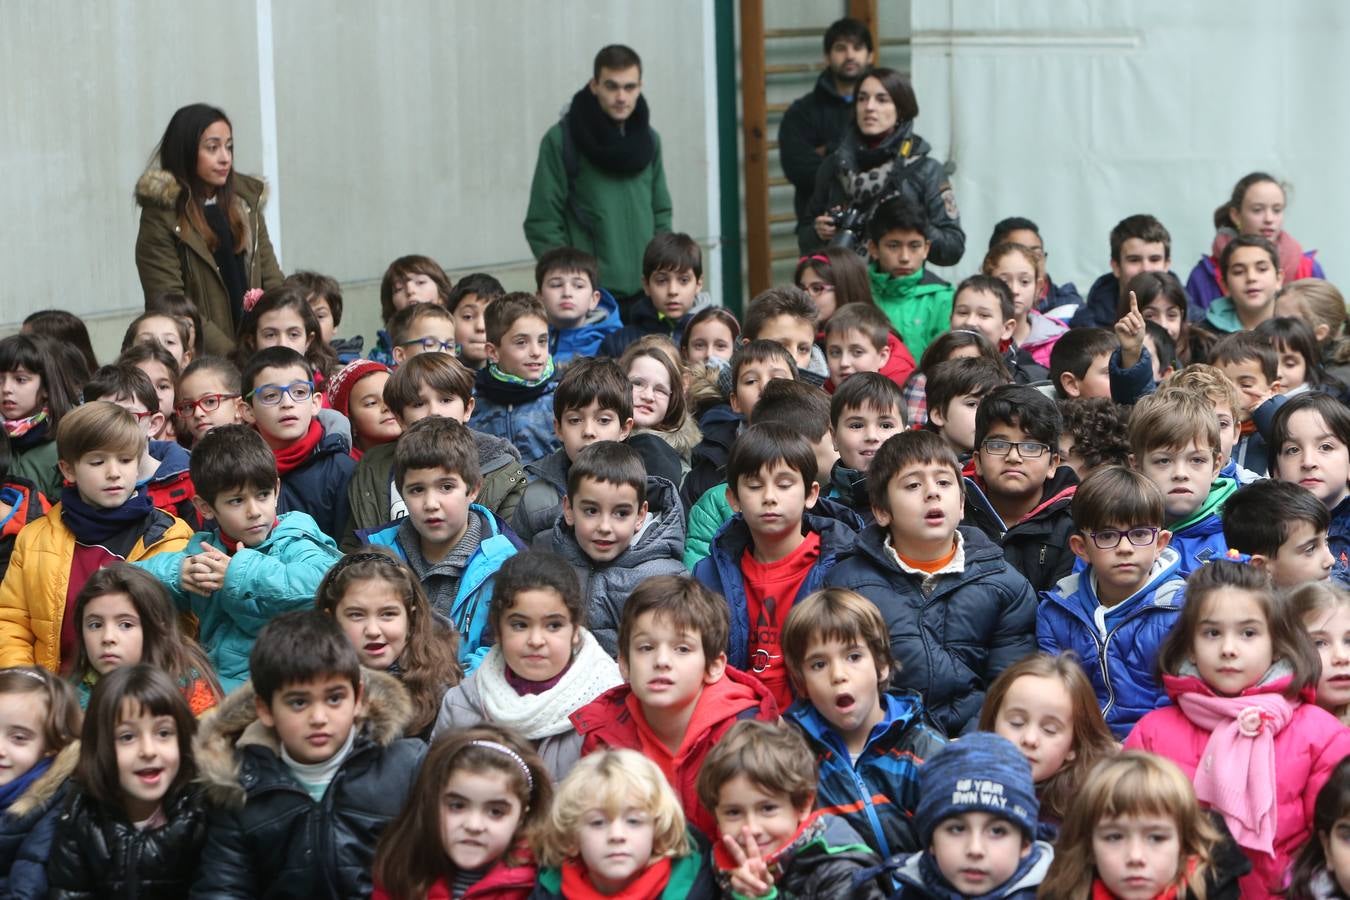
572,166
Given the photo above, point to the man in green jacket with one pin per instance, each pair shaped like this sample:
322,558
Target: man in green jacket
599,185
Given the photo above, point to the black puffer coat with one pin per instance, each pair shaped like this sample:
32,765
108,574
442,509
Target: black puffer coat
267,838
952,634
27,828
97,852
1037,546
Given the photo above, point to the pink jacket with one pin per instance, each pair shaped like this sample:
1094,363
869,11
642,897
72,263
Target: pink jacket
1307,749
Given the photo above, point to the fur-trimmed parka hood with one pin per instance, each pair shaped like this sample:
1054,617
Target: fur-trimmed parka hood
682,440
234,724
158,188
49,784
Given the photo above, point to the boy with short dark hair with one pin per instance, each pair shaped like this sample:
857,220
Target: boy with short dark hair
1079,362
1115,612
101,519
451,543
1250,362
468,300
955,389
1139,243
1282,526
679,696
163,471
672,278
619,526
795,852
867,410
593,402
918,303
421,328
807,409
787,316
429,384
1174,436
324,296
869,742
1020,493
581,314
984,304
957,613
281,402
858,338
753,366
776,549
305,767
977,819
251,564
514,391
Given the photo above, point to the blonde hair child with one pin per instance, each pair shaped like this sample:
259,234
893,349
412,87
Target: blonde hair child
613,799
1135,830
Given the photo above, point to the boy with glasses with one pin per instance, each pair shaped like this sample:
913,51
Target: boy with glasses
1020,493
1115,612
314,464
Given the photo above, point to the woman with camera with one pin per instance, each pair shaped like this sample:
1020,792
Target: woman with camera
881,157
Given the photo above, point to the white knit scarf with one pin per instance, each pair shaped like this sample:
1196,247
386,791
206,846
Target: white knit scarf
538,716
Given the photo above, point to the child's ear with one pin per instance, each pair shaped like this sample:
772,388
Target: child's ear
715,670
264,711
239,407
732,501
642,511
1276,387
872,249
468,410
203,508
882,516
568,515
491,350
156,423
1164,538
1008,328
885,353
473,493
1068,382
623,666
1078,545
399,355
627,428
1261,561
938,417
812,493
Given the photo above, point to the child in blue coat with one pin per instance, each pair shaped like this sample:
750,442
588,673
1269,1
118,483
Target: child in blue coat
251,564
1115,612
514,392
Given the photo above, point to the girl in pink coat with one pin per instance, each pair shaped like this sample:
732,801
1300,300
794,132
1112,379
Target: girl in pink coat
1241,675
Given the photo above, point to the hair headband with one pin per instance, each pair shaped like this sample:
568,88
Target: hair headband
29,673
814,257
515,758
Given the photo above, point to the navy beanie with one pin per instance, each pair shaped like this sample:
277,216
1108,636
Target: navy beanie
981,772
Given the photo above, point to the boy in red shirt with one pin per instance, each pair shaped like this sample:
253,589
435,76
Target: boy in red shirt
778,547
679,695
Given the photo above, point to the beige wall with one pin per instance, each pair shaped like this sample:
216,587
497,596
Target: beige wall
406,127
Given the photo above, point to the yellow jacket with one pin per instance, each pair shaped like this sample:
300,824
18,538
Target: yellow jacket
33,593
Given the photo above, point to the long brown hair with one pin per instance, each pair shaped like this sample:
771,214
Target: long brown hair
318,354
411,856
668,358
1092,740
177,151
163,644
843,270
430,661
1133,783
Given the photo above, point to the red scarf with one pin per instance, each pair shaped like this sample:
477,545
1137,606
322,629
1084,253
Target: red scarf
576,884
1100,891
294,456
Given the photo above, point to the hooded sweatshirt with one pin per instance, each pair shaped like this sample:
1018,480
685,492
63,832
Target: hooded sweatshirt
1199,537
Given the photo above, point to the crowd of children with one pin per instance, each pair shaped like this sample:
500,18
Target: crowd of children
885,588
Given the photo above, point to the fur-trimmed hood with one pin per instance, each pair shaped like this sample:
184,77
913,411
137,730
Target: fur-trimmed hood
386,712
49,784
682,440
158,188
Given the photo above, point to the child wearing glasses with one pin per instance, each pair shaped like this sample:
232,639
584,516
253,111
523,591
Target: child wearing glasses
956,611
1020,493
1174,437
250,564
421,328
1116,611
314,463
207,397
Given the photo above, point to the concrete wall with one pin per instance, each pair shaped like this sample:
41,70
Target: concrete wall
408,127
1078,113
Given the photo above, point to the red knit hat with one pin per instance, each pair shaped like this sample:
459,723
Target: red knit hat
340,385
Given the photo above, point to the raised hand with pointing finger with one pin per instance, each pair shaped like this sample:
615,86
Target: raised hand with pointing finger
1130,331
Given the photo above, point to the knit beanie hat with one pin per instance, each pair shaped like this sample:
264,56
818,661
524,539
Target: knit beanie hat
980,772
340,385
